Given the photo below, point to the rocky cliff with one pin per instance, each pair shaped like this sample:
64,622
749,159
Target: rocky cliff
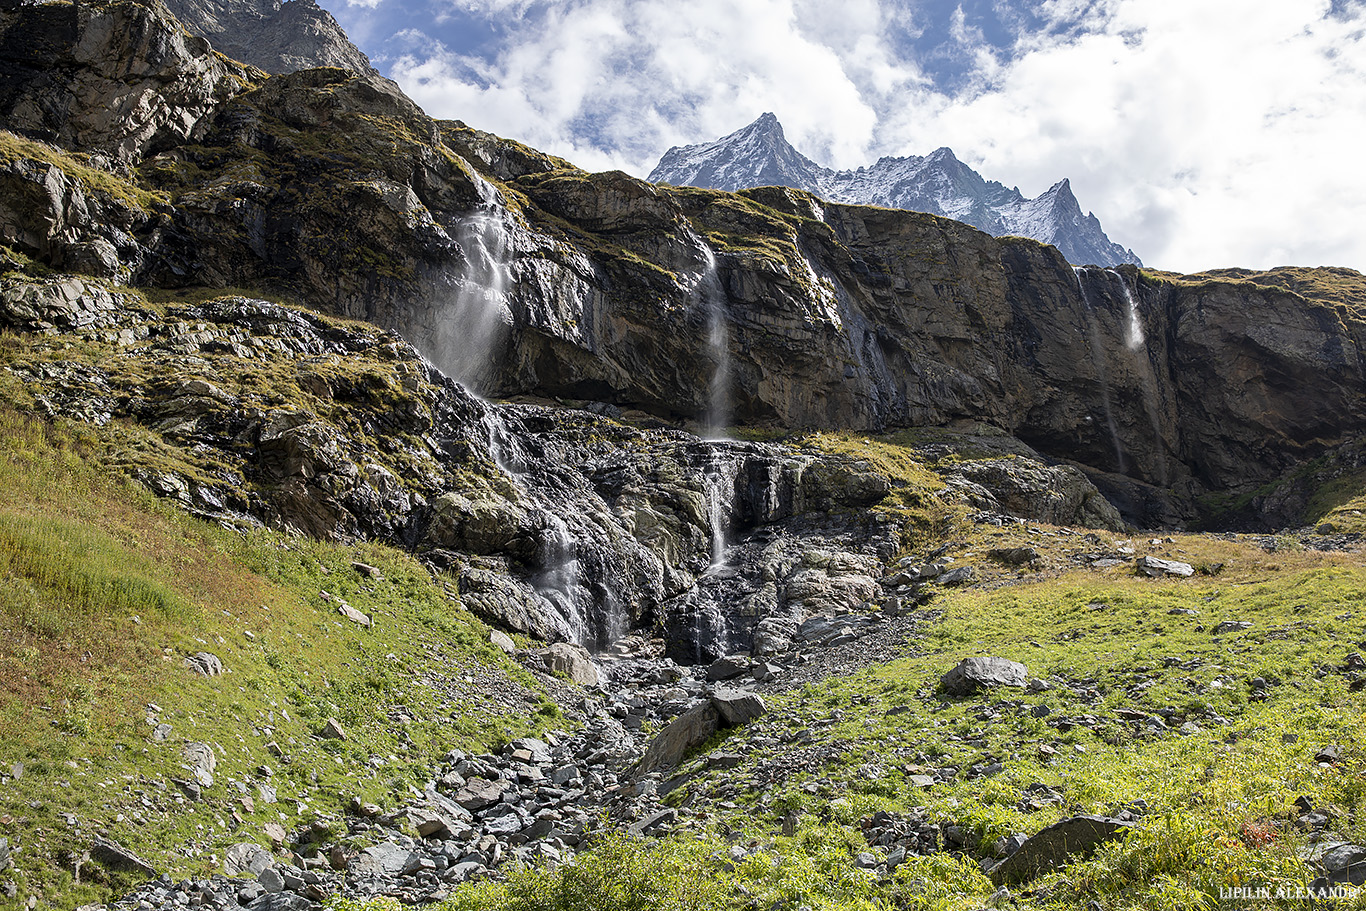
278,37
519,274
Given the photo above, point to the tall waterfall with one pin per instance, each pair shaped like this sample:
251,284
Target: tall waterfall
712,297
1136,341
474,324
1102,371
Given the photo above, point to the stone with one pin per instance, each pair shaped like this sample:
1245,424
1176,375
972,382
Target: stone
503,641
1330,754
332,730
271,880
572,661
1053,847
205,663
1156,566
727,668
1340,857
737,706
202,760
1014,556
961,575
972,675
276,833
1231,626
676,738
383,859
246,858
479,793
115,857
355,616
366,570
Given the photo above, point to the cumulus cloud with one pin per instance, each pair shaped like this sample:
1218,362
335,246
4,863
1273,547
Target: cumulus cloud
1207,133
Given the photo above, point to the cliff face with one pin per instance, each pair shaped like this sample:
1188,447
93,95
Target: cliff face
518,274
277,37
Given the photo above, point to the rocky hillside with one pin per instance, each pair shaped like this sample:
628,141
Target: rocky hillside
518,274
759,155
278,37
386,507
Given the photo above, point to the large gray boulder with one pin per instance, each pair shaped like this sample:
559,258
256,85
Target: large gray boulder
738,706
573,661
972,675
1054,846
685,732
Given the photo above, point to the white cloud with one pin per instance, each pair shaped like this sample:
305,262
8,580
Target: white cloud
1206,133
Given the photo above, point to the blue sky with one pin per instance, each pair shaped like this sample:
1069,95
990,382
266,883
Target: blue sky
1204,133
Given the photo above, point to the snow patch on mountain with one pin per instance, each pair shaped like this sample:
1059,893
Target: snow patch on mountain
760,155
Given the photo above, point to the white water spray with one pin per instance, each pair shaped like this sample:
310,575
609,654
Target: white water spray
1098,359
718,509
1136,342
712,296
559,582
474,324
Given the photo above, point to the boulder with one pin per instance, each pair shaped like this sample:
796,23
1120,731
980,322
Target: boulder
1054,846
974,674
685,732
116,857
572,661
1157,567
479,793
246,858
738,706
205,663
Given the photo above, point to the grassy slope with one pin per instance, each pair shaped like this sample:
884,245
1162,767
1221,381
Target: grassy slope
1220,797
103,592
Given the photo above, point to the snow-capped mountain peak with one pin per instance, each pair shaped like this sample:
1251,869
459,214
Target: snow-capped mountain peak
760,155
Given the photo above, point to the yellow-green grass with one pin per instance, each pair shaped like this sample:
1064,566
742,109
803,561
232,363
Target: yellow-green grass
103,594
1220,797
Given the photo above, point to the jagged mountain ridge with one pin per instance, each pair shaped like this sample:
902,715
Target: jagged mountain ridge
938,183
278,37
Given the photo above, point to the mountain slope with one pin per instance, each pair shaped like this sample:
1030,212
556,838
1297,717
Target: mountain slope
278,37
759,155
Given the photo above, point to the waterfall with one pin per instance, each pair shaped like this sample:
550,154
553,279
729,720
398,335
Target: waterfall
559,581
712,296
1136,342
718,507
474,324
1133,327
1098,359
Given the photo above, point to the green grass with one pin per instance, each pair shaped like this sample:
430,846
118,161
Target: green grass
105,591
14,148
1220,797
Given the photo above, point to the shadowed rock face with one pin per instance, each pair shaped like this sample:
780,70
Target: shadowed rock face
516,273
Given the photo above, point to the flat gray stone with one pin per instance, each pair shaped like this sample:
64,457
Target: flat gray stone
737,706
972,675
1156,566
1055,845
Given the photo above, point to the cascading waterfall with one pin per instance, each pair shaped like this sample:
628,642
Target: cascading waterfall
712,629
1136,342
473,325
1098,358
718,509
712,296
559,581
